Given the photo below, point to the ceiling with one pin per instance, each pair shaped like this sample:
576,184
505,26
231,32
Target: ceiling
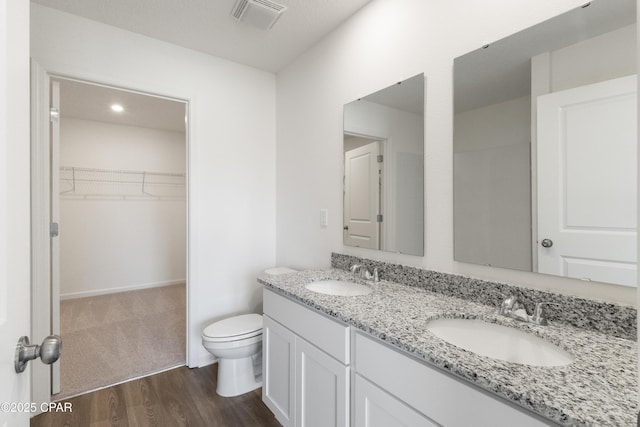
207,25
93,102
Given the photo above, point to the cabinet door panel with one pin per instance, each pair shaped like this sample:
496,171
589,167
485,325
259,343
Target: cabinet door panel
376,408
278,370
322,388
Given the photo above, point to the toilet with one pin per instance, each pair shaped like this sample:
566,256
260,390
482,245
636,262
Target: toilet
237,343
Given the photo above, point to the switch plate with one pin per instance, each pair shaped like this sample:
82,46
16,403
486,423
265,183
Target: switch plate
324,218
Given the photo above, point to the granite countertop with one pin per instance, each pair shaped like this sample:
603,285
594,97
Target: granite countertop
598,389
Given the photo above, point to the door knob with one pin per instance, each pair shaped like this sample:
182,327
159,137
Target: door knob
346,227
546,243
49,351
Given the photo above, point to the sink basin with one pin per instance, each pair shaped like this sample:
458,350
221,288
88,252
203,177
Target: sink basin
338,287
499,342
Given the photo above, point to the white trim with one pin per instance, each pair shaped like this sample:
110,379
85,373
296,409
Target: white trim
117,289
40,216
206,359
170,368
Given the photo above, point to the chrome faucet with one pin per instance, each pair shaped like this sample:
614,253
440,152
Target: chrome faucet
512,307
539,316
361,271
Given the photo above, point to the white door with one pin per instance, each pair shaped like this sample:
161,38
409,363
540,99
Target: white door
587,144
14,208
322,388
278,371
362,197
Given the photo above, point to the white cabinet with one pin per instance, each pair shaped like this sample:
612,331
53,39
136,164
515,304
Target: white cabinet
305,365
307,374
322,388
376,408
440,397
278,359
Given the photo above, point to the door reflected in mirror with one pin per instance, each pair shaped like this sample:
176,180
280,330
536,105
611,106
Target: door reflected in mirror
545,143
384,169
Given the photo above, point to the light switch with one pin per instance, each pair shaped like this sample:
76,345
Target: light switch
324,218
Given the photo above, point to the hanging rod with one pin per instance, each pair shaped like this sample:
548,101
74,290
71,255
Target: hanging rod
120,183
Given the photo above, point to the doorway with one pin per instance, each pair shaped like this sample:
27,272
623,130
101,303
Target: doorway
363,192
118,176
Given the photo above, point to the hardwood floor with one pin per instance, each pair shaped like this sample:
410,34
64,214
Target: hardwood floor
180,397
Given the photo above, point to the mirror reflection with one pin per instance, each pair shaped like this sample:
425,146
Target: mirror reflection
384,169
545,141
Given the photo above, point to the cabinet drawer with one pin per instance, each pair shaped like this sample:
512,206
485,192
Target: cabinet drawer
329,335
376,408
443,398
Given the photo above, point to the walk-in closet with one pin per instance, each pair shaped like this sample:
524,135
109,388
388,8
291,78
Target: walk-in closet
119,189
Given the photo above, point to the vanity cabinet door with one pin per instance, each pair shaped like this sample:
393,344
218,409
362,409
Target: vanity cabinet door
278,370
377,408
322,388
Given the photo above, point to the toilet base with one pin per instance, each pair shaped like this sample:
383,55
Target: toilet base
236,377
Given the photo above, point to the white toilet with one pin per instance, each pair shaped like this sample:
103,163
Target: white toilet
237,343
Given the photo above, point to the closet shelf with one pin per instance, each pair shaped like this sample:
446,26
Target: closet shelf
78,182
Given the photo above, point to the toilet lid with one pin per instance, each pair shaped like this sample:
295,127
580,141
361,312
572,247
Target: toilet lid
234,326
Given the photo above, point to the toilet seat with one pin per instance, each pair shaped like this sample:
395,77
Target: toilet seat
234,328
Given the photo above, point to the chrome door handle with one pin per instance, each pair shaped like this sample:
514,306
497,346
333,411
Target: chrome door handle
49,351
546,243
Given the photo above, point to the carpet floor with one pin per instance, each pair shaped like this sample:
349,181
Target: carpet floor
112,338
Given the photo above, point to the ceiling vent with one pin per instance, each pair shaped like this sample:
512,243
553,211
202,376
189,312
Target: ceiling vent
259,13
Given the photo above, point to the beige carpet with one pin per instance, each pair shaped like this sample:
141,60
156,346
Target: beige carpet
112,338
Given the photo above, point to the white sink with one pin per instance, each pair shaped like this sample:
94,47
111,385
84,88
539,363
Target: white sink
338,287
499,342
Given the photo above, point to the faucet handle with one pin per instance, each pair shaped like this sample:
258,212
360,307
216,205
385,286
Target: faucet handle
355,267
509,304
376,275
539,316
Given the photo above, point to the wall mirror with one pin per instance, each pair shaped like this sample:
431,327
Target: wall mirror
545,141
384,169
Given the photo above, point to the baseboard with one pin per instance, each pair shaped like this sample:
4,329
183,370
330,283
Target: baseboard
84,294
206,359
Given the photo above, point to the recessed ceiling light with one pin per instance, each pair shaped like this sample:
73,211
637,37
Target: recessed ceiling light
117,108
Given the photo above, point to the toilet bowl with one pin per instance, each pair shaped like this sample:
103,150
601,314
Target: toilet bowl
237,343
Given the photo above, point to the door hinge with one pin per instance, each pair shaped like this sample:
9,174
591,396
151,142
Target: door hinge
54,114
53,229
380,157
379,218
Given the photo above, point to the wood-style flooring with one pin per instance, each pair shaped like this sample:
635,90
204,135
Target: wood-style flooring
179,397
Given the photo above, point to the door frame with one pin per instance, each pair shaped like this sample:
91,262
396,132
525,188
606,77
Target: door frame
45,317
387,238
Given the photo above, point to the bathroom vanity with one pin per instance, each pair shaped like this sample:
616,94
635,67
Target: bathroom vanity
370,360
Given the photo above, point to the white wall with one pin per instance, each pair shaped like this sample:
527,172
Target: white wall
388,41
575,66
231,151
112,244
492,198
